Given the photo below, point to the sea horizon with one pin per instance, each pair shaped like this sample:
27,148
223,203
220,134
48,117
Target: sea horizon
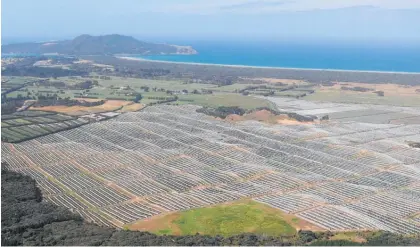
339,57
332,56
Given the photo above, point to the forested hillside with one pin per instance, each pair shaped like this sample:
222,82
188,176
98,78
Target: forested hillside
97,45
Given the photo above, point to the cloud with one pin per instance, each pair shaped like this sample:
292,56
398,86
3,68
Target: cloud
254,4
127,7
350,19
263,6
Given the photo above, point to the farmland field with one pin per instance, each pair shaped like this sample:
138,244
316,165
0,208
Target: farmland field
157,153
395,95
338,175
26,125
166,84
352,97
344,112
112,89
11,83
109,105
224,99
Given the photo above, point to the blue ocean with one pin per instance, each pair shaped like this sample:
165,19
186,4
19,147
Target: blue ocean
370,57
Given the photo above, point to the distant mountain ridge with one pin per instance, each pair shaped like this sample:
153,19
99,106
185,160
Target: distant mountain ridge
98,45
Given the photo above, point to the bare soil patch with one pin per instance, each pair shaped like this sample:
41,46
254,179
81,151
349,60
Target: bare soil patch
388,89
234,118
292,122
156,223
109,105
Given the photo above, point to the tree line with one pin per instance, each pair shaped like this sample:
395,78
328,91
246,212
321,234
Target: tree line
224,111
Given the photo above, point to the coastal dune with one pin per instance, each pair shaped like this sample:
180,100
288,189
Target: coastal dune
265,67
309,75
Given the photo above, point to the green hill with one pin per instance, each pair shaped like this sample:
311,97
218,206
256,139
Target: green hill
97,45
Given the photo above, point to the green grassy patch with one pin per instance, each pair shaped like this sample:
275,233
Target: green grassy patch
226,220
165,232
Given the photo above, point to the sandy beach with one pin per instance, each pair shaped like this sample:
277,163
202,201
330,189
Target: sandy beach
264,67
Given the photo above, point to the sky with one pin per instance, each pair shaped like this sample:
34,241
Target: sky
167,20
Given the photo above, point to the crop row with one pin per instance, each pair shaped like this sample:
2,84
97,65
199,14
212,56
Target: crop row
334,219
176,159
129,212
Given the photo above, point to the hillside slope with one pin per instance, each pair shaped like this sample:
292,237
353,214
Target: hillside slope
97,45
28,220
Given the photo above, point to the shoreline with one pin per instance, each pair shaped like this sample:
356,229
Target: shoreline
264,67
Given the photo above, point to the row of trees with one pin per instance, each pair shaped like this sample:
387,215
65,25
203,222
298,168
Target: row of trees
164,101
43,72
224,111
55,100
10,106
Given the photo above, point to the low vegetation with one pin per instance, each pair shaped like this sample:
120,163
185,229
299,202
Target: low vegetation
414,144
10,106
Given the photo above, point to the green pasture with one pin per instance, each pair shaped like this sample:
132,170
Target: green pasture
226,219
